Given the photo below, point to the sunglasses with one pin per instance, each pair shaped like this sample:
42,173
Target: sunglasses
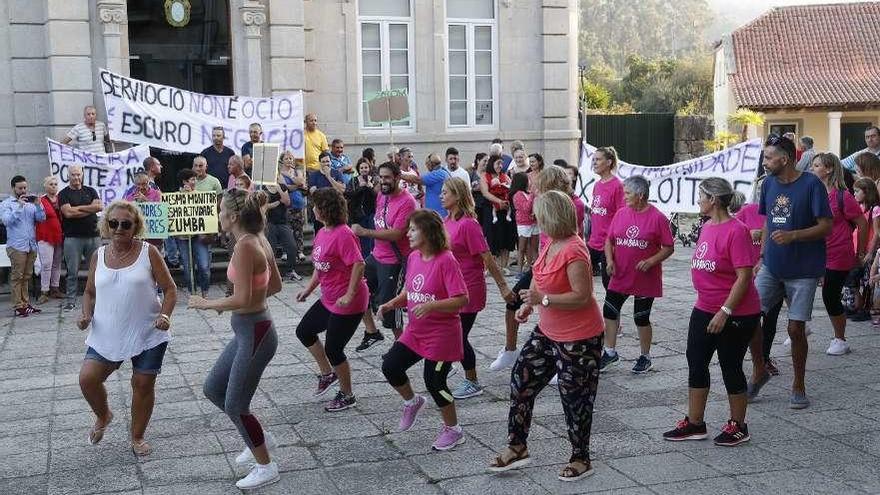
773,139
115,224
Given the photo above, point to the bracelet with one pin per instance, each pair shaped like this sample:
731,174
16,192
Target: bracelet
726,310
165,317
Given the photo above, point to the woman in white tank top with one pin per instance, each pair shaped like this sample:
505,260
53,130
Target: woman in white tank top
127,318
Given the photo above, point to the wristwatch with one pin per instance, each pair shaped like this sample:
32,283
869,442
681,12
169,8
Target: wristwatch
545,301
726,310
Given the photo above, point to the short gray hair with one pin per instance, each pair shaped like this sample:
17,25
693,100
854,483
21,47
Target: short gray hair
807,141
496,149
638,185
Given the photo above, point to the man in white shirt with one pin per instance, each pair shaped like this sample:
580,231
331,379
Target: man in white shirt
90,134
453,167
872,141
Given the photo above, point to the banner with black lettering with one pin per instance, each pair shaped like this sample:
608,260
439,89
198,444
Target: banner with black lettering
111,174
179,120
191,213
674,187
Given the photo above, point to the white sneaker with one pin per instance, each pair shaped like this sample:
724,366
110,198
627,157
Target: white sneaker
838,347
807,332
787,342
246,458
260,475
505,359
554,380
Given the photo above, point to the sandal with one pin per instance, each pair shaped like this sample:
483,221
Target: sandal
96,434
572,472
141,448
512,458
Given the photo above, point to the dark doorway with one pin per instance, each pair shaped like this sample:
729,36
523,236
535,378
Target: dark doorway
195,57
852,137
781,129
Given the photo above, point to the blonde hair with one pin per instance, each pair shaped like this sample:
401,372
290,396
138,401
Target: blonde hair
831,162
248,207
464,201
47,179
131,208
554,178
555,213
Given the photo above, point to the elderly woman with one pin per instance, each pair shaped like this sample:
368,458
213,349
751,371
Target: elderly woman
639,240
567,340
50,243
142,190
292,177
725,316
127,318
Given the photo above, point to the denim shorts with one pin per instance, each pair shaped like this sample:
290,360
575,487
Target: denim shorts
799,294
148,362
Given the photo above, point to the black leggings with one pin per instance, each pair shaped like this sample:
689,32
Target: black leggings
525,280
641,307
832,290
401,358
597,258
731,344
469,362
769,321
340,329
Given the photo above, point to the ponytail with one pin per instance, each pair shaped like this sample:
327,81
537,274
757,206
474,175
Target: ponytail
250,208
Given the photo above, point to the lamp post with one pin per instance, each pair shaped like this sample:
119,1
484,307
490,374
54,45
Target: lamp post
582,71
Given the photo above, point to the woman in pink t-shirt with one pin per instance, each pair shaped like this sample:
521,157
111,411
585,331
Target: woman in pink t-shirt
866,193
339,270
607,199
840,257
725,316
526,226
639,240
434,293
469,246
567,340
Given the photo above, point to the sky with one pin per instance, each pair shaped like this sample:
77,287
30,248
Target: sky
732,14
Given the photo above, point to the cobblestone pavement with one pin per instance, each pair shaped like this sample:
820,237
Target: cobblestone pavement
831,447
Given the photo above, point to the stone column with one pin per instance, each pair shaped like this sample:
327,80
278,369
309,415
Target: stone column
834,132
253,16
112,14
559,36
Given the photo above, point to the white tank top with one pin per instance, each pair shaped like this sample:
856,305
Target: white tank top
126,308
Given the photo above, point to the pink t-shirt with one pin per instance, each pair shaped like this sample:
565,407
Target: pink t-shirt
335,251
467,243
551,277
580,212
607,199
869,215
721,249
749,215
392,212
839,251
435,336
636,236
523,203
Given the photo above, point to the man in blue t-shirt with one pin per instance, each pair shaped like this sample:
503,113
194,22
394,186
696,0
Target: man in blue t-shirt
798,220
217,155
433,181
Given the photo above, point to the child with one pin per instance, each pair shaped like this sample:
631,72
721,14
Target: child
526,226
499,185
866,193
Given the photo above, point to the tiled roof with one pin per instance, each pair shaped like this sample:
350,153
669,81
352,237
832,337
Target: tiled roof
809,56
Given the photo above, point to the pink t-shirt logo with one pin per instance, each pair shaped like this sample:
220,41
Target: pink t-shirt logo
597,207
416,296
632,240
699,263
380,223
632,232
321,266
418,282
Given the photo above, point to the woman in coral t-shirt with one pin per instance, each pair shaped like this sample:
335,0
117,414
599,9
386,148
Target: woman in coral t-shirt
468,245
434,293
725,315
639,240
568,338
339,270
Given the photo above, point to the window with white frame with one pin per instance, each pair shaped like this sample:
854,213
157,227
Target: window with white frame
386,54
471,63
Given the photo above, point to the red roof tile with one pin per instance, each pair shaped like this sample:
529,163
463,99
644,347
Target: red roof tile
809,56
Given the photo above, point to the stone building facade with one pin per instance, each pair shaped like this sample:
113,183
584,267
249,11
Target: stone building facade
474,69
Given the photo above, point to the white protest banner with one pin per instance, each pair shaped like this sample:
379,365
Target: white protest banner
179,120
155,219
674,187
111,174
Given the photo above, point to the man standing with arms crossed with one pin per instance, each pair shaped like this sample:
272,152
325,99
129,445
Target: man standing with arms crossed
793,261
79,207
385,264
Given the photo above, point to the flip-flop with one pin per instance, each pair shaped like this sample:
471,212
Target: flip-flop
141,448
97,434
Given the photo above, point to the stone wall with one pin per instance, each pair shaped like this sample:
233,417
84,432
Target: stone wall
690,135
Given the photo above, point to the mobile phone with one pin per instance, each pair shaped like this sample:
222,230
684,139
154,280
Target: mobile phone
30,198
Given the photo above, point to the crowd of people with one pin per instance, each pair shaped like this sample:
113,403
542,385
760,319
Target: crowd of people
411,249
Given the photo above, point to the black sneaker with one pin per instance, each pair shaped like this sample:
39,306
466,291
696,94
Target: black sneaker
607,361
770,366
341,402
325,382
685,430
369,340
69,307
643,365
732,434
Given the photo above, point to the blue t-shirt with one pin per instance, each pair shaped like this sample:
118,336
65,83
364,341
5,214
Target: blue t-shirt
218,163
340,162
433,185
318,179
794,206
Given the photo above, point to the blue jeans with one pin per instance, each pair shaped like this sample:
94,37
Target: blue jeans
367,222
202,254
172,254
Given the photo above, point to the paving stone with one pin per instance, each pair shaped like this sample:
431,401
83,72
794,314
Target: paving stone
391,477
715,486
661,468
347,451
94,480
795,482
603,478
188,469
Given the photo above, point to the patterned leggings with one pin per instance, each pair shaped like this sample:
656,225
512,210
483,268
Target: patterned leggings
577,365
296,219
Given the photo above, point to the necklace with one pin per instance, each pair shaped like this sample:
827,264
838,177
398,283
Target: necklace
119,258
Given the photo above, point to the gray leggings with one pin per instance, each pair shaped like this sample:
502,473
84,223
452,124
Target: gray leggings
233,380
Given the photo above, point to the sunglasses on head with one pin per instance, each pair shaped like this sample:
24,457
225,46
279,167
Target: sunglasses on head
115,224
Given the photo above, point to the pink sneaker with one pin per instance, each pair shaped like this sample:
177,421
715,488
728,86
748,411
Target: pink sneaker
410,413
448,438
